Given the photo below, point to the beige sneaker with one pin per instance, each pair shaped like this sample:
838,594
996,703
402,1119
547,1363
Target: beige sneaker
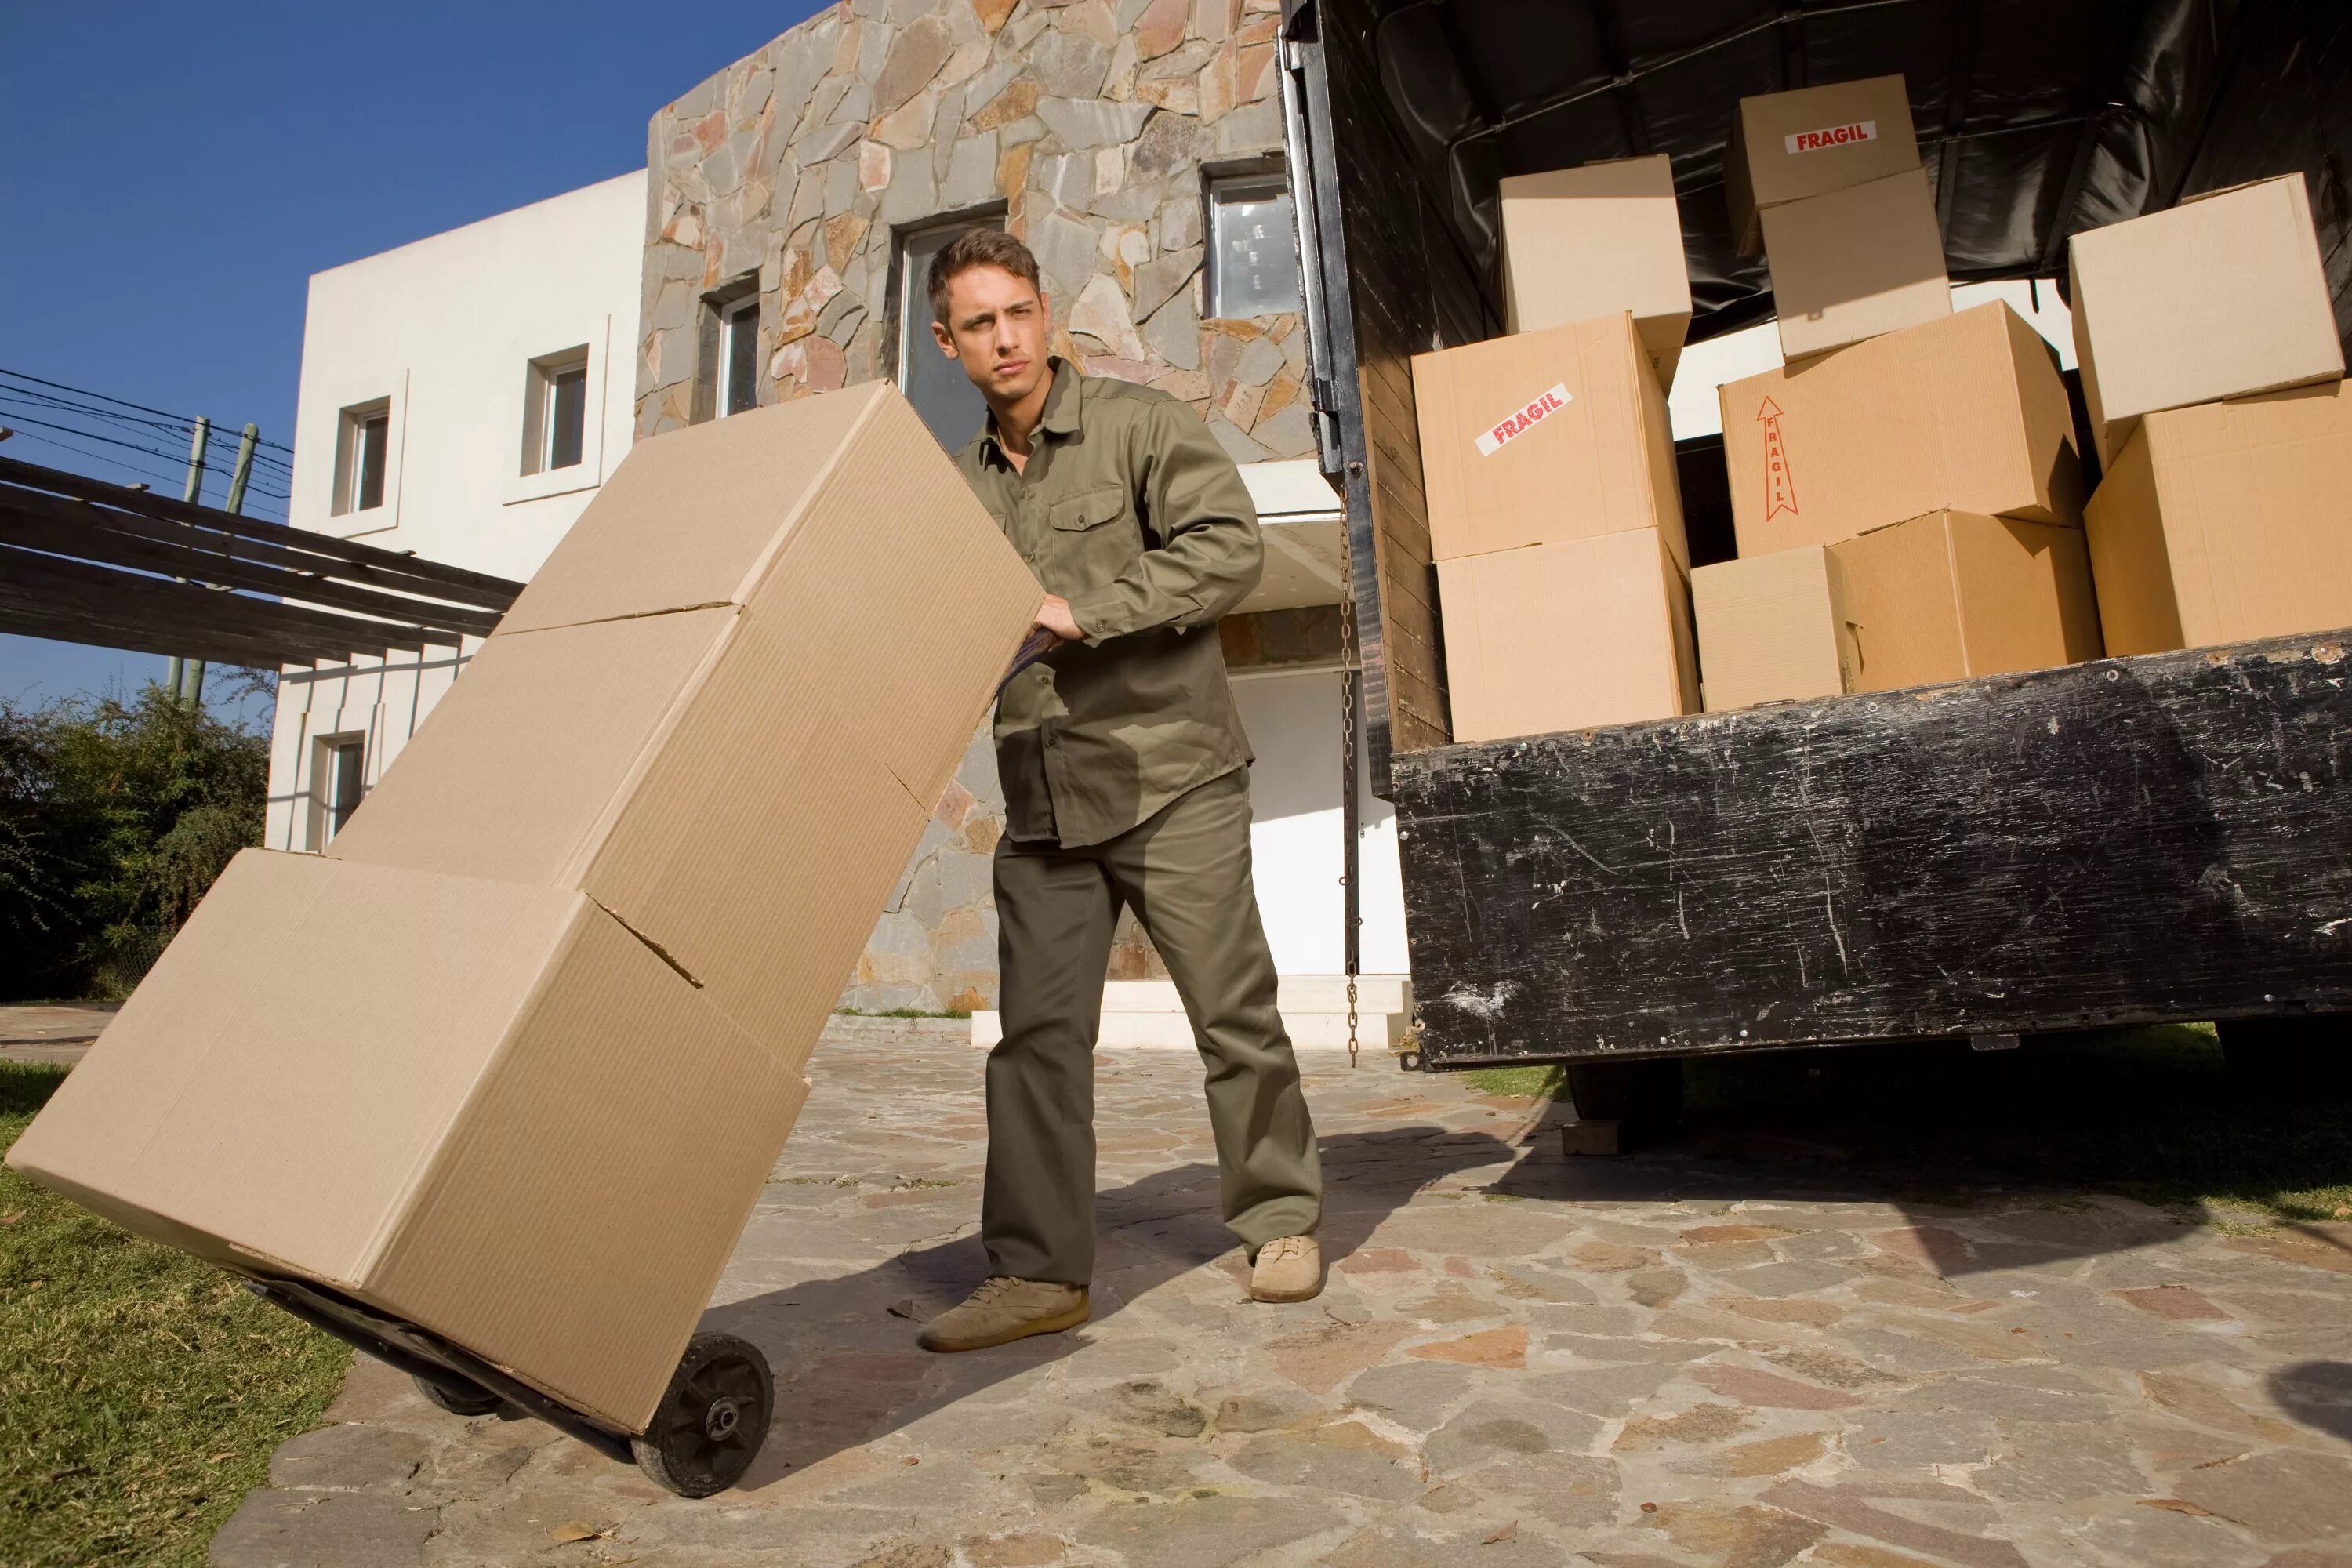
1003,1310
1288,1269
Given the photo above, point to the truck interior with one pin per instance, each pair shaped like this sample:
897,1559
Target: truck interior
2036,119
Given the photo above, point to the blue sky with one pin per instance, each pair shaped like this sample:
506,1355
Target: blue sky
176,174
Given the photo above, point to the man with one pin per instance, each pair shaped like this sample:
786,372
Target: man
1126,780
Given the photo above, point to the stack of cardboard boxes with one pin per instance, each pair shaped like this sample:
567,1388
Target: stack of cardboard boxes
513,1059
1549,465
1906,489
2215,384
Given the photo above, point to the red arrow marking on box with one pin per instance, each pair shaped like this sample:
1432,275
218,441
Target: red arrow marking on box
1780,489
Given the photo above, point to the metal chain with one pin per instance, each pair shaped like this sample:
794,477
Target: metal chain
1348,697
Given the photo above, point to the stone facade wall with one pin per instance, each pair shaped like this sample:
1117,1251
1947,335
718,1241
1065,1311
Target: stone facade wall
1087,124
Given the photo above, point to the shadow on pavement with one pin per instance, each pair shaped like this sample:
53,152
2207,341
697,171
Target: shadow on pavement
2012,1143
848,1369
2318,1393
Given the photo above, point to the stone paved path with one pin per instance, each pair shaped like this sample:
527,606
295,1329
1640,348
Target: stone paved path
59,1032
1521,1359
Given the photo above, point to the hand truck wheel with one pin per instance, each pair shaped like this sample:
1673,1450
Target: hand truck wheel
711,1423
457,1395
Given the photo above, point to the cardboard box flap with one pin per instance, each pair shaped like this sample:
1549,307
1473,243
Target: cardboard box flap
695,517
281,1079
517,773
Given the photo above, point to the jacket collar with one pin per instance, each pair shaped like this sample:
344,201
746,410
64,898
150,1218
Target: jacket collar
1063,402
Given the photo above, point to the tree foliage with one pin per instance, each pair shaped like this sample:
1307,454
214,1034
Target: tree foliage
115,816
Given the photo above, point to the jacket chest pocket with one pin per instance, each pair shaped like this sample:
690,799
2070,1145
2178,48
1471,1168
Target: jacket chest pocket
1095,534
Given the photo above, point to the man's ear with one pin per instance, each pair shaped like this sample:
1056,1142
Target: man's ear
945,339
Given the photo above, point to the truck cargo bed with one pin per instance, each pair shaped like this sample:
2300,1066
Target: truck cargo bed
2130,840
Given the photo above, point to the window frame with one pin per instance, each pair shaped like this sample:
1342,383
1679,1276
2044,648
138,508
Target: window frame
738,324
535,352
909,319
1266,177
329,811
543,377
352,423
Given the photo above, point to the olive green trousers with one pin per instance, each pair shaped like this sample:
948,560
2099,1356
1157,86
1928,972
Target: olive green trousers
1185,871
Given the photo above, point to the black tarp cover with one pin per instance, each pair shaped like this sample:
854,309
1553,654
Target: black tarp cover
2036,117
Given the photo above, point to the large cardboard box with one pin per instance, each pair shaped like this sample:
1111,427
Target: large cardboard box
1590,241
1542,437
1786,146
1566,637
485,1108
1774,628
1953,594
1966,412
726,706
1854,263
2222,296
2228,522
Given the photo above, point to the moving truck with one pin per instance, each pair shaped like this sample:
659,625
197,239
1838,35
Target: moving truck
2138,840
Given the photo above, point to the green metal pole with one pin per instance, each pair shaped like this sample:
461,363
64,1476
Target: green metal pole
192,493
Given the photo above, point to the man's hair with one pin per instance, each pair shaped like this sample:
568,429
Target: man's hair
979,248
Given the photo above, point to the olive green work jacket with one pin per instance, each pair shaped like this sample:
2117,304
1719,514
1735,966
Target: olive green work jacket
1130,510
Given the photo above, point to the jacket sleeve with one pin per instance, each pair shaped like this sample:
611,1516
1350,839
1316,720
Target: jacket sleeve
1210,553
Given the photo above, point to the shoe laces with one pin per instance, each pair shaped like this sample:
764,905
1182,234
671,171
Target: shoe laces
992,1287
1281,1247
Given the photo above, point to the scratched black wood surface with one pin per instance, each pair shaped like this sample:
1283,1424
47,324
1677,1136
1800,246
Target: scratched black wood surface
2140,839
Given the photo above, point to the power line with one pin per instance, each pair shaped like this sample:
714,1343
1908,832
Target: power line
186,423
256,484
101,456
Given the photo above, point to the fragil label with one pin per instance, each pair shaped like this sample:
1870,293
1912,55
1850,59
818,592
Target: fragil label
1511,427
1832,136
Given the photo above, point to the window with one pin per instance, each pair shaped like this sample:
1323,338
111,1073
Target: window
1252,247
555,412
339,772
739,356
945,398
362,454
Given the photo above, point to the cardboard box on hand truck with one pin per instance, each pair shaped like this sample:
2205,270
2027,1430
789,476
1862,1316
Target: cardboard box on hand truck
727,705
2228,522
512,1063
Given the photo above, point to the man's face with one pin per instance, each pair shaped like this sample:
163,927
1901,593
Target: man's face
996,330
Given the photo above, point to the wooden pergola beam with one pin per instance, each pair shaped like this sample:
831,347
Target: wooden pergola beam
77,528
379,566
99,592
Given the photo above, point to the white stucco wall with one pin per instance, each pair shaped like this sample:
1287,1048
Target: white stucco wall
1295,842
446,330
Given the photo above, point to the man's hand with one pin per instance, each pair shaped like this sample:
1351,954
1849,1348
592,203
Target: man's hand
1053,615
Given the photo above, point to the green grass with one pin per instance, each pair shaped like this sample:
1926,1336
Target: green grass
1549,1082
142,1393
2152,1113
